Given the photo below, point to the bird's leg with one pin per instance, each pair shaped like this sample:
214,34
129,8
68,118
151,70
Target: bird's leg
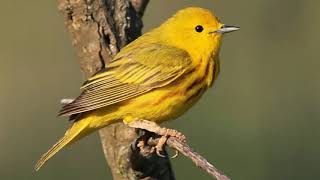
165,133
155,128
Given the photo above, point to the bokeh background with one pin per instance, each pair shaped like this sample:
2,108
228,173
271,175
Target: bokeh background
261,121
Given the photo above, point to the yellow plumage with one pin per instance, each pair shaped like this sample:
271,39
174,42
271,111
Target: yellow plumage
156,77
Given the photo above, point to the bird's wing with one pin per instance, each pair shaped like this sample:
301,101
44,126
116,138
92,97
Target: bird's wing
132,73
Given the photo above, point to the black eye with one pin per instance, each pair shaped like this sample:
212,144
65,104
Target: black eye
199,28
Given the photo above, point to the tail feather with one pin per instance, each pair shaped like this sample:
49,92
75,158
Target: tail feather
76,131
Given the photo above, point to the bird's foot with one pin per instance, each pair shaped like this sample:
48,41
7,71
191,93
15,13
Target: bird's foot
165,133
144,149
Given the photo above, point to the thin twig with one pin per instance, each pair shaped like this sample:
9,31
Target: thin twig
196,158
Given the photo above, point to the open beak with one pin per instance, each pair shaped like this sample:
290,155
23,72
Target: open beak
226,29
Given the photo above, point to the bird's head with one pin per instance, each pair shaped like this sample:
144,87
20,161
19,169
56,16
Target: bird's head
195,30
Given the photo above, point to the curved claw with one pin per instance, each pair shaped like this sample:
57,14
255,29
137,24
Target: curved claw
159,146
159,154
176,155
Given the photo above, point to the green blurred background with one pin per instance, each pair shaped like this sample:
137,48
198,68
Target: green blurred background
261,120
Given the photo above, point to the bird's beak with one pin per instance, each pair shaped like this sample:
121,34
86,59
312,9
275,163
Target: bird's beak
226,29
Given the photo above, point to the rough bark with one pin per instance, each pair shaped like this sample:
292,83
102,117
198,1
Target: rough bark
99,28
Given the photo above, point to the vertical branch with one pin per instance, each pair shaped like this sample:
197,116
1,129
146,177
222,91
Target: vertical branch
99,28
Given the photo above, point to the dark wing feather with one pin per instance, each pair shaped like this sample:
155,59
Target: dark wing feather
130,75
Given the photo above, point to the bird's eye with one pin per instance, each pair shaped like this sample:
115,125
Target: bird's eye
199,28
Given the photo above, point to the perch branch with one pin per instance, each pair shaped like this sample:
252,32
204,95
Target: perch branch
196,158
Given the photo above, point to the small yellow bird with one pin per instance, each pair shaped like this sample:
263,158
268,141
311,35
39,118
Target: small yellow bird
157,77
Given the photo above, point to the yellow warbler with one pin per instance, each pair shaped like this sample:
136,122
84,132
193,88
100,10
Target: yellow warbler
157,77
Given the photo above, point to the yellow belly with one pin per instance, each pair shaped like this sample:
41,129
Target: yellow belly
159,106
163,104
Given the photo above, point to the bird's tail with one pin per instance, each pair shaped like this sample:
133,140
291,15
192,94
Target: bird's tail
78,130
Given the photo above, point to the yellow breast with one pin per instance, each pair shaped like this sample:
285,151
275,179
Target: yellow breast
173,100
